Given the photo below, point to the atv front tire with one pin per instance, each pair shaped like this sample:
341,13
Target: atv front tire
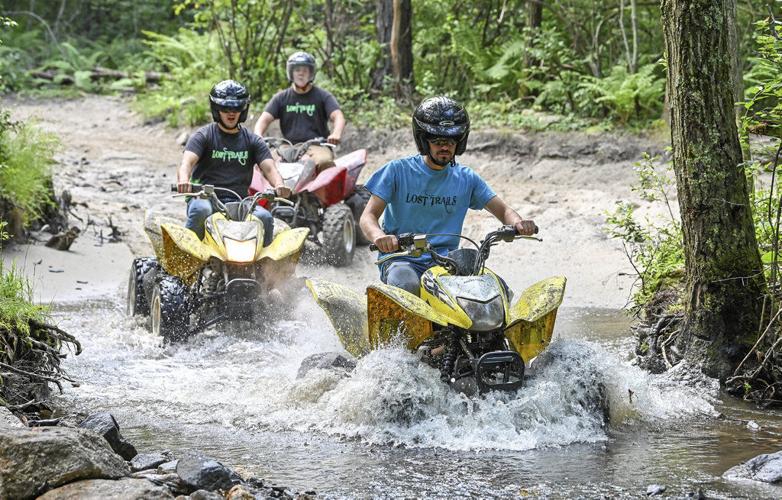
169,312
339,235
137,300
357,202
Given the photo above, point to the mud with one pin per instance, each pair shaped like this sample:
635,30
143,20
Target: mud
116,167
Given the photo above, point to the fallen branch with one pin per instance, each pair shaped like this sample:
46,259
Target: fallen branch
96,74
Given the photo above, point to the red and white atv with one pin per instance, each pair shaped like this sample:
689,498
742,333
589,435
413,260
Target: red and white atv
329,203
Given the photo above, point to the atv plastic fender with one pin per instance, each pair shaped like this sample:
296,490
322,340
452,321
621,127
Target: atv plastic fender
152,222
285,244
328,186
531,322
183,252
393,311
354,162
347,311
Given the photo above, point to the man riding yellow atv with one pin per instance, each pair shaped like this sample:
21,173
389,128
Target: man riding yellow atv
191,284
463,323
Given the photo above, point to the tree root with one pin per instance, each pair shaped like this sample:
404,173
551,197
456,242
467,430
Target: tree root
758,378
655,343
30,361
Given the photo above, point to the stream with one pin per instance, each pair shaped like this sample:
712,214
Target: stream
392,429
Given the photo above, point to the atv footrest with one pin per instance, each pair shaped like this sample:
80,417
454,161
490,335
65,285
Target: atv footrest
499,371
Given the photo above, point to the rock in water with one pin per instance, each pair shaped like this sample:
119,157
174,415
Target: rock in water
63,240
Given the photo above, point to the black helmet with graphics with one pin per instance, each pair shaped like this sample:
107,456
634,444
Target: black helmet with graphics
300,59
229,95
440,116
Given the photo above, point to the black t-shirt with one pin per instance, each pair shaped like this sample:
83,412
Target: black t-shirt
303,116
226,160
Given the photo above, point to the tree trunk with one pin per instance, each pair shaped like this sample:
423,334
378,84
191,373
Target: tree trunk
395,34
534,20
724,278
384,17
534,13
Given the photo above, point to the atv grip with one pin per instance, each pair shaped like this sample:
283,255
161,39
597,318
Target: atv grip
373,247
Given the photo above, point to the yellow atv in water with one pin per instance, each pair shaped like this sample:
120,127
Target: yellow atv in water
191,284
463,323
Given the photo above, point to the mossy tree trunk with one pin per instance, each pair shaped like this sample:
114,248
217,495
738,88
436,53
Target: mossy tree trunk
723,270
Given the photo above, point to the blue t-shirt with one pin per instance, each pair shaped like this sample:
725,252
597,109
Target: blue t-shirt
420,199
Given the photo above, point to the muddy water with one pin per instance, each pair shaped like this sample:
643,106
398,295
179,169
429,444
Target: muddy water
391,429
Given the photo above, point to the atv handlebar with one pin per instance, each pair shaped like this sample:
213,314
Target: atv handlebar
505,233
207,192
414,245
404,239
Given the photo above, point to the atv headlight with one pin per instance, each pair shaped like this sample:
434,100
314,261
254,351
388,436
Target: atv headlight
239,251
485,316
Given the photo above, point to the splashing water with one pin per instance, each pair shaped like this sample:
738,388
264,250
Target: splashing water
582,416
247,379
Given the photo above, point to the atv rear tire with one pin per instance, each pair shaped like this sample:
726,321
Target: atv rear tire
357,202
137,300
339,235
169,312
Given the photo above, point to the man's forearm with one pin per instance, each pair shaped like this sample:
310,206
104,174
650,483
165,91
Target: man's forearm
270,172
511,217
370,226
339,123
263,123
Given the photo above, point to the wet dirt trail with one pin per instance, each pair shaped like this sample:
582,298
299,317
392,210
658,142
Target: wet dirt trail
391,428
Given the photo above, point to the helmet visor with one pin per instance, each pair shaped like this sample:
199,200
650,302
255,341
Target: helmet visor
444,128
230,104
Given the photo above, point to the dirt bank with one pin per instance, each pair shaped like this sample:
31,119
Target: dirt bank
116,167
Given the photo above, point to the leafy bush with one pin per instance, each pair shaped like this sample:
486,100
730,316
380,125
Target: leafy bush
624,96
16,307
26,156
193,63
763,96
655,249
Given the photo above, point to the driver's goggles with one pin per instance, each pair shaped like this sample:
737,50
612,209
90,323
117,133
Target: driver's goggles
442,141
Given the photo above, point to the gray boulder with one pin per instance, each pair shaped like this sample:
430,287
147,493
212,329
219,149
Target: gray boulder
36,460
144,461
167,467
171,481
8,420
208,495
106,425
205,473
766,468
101,489
326,361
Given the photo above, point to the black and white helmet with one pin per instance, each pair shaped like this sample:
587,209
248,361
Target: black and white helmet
229,95
440,116
300,59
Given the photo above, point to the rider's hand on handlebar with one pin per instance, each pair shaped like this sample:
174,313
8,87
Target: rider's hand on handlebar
333,139
526,228
283,191
183,187
387,243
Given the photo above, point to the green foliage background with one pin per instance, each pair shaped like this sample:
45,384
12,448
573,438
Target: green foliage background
584,67
582,64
